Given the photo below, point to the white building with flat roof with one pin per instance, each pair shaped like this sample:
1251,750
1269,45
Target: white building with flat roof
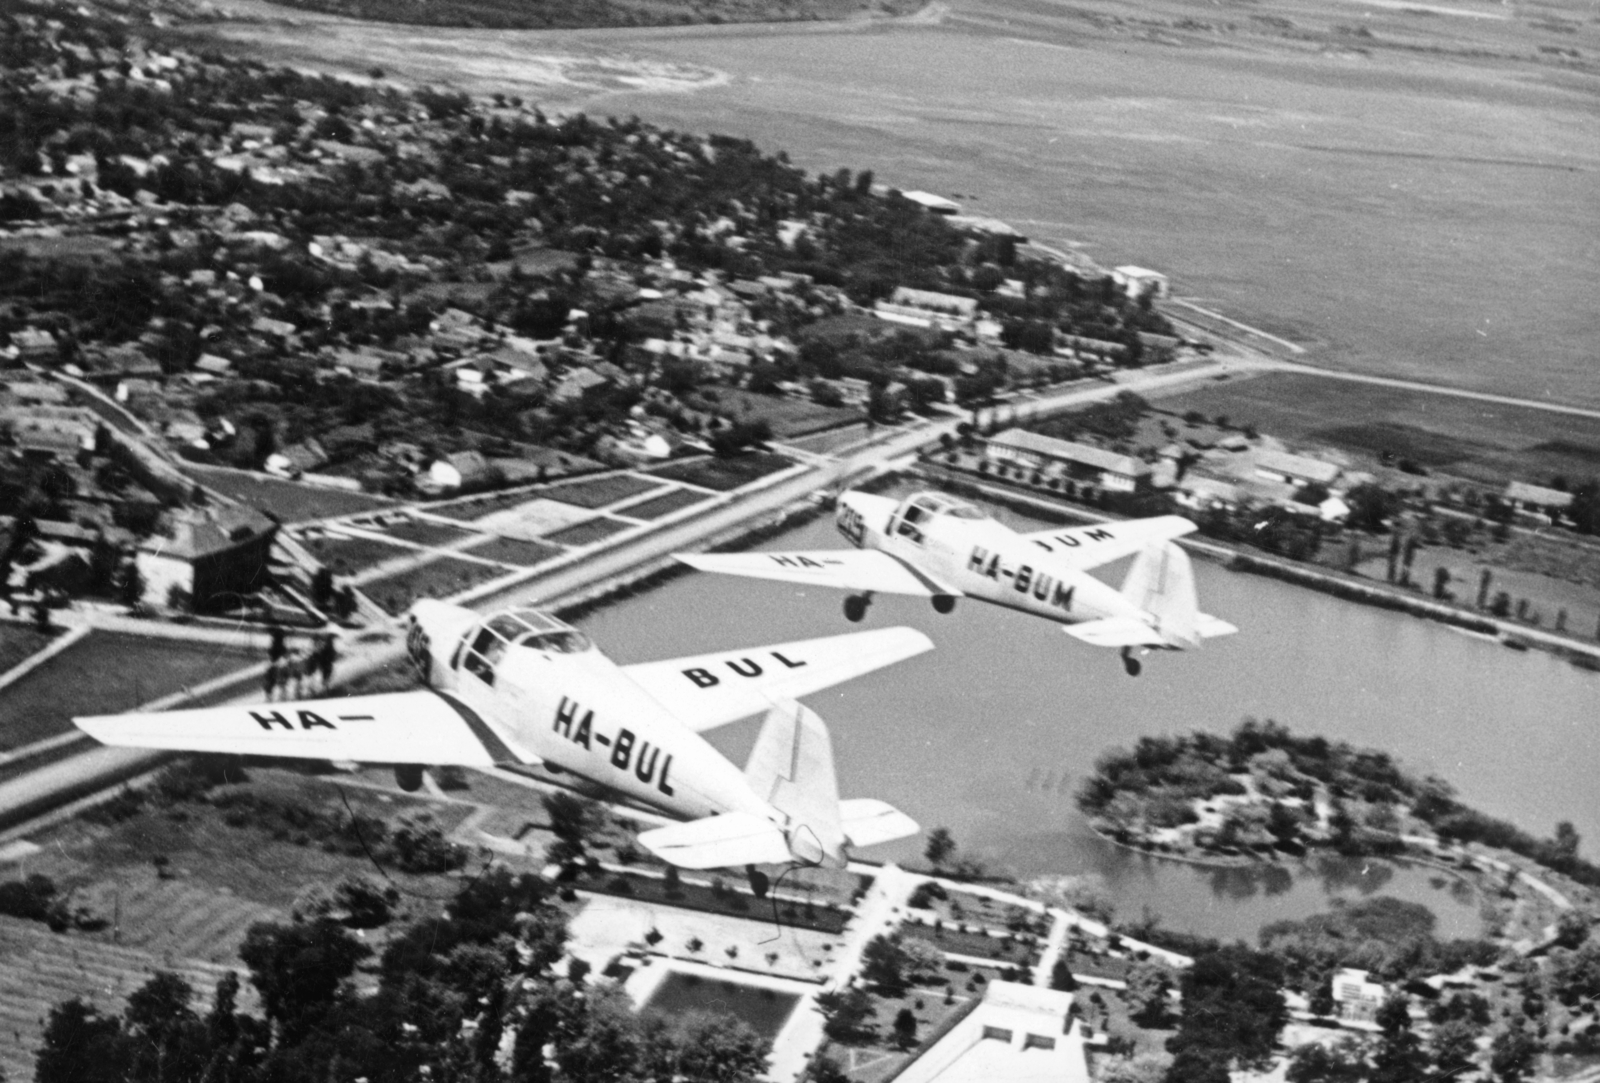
1018,1034
1138,281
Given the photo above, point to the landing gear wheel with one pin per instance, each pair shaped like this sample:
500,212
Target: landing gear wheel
855,607
760,883
1130,663
943,603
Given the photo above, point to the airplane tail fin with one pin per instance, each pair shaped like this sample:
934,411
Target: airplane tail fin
791,768
1161,582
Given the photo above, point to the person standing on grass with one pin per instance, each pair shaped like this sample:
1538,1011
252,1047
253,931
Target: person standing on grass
326,656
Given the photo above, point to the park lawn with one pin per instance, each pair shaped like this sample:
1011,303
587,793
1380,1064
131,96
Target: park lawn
478,507
722,475
105,673
788,417
1003,949
19,642
285,501
588,532
879,1058
598,492
659,506
513,551
440,578
347,555
425,533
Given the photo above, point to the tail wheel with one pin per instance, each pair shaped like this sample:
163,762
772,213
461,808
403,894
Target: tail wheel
943,603
855,607
1130,663
408,776
760,883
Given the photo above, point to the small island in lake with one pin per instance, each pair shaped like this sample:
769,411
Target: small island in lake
1264,791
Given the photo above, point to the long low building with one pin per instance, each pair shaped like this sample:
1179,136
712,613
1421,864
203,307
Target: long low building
1066,458
1018,1033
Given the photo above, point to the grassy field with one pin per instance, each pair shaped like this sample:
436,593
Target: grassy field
426,533
598,492
588,532
439,578
514,551
1467,438
723,474
579,14
665,504
347,555
788,417
19,642
103,673
285,501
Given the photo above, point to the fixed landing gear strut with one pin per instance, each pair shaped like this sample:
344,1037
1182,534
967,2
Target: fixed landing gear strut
760,883
1130,662
855,607
944,603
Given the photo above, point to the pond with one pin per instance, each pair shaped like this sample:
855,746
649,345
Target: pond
765,1010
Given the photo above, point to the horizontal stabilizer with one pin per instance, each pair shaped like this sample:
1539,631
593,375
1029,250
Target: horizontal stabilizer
1210,627
868,821
1116,632
716,842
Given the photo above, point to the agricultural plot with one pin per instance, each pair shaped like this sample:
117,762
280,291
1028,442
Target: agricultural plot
103,673
285,501
19,642
598,492
513,551
346,554
439,578
788,417
1481,441
723,474
425,533
665,504
588,532
965,940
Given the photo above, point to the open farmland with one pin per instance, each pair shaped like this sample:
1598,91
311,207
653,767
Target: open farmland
1481,441
514,551
285,501
439,578
348,554
103,673
589,531
788,417
598,492
665,504
723,474
19,642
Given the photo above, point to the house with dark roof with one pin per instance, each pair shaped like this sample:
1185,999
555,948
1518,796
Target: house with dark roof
213,556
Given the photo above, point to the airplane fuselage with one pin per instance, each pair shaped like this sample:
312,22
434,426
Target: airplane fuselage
577,711
984,559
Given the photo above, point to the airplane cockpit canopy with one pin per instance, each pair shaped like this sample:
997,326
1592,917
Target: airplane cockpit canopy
531,628
926,505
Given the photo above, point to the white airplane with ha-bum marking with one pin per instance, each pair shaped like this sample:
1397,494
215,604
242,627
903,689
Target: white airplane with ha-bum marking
523,688
935,546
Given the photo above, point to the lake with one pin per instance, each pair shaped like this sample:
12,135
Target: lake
991,733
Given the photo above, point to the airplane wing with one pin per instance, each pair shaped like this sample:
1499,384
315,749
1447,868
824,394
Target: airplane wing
1091,546
709,690
718,842
842,569
396,727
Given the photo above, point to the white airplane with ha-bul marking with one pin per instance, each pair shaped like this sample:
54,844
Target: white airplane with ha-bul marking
935,546
523,688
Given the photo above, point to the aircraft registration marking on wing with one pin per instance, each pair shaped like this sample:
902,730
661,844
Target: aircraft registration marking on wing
580,730
744,667
1071,541
800,560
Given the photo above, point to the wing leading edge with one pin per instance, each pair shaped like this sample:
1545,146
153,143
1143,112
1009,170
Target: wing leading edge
709,690
841,569
395,727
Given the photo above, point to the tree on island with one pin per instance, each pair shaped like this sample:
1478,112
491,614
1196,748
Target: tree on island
941,847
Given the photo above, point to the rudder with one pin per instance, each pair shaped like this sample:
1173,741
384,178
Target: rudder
791,768
1161,582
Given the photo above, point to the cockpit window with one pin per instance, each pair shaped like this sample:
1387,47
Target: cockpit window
567,642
